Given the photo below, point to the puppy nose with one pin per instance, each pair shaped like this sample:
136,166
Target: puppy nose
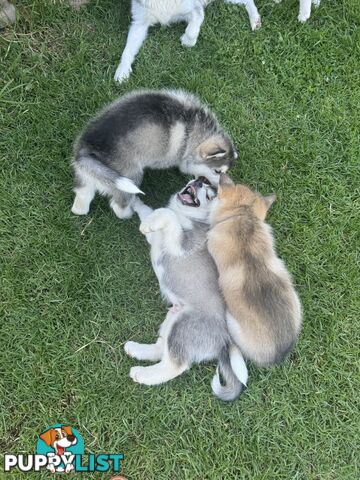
202,180
71,438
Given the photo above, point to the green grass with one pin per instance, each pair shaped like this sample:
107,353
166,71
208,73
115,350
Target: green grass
74,289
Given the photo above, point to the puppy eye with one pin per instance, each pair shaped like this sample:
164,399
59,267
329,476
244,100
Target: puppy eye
217,171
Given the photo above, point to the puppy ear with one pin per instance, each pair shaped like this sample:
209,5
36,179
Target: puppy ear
225,180
269,199
213,147
48,437
67,430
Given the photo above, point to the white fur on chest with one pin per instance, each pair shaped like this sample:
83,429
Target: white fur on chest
164,11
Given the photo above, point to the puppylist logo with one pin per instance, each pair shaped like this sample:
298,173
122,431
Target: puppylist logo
60,448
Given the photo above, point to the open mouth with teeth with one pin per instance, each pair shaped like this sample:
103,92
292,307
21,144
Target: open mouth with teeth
189,197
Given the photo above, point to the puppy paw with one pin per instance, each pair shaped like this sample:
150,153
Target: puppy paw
122,73
138,374
158,220
79,207
187,41
145,228
303,17
130,349
255,23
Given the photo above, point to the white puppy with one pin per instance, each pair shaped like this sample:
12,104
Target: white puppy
149,12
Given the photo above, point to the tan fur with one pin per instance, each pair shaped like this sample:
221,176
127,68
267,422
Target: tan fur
264,313
213,146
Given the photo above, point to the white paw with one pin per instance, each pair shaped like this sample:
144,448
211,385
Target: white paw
121,213
145,228
255,23
130,349
79,209
187,41
316,3
138,374
122,73
149,227
303,17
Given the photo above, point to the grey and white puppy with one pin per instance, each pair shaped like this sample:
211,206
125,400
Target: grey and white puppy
146,129
194,329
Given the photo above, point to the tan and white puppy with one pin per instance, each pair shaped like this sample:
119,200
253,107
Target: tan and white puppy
264,312
59,439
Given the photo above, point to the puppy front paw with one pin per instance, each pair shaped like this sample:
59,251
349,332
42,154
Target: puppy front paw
158,220
303,18
122,73
255,23
187,41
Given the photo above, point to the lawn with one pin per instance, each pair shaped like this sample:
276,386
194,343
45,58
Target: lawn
74,289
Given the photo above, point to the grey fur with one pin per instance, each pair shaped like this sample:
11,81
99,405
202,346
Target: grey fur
147,129
188,277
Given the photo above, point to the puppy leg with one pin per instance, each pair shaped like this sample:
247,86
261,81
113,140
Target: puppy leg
136,36
141,209
83,197
161,372
143,351
305,10
164,220
154,351
122,204
254,16
192,31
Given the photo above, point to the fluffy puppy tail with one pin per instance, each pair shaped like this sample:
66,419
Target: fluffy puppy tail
234,372
89,164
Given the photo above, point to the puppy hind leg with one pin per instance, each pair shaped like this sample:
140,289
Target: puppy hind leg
304,11
161,372
84,193
121,204
192,31
254,16
142,351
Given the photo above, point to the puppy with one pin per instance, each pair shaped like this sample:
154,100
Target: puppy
305,9
194,329
264,313
146,13
146,129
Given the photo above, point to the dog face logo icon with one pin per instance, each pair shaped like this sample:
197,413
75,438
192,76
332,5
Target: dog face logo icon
59,438
60,441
